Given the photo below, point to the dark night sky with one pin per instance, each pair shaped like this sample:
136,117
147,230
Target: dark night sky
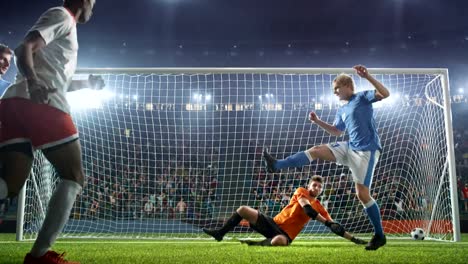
236,33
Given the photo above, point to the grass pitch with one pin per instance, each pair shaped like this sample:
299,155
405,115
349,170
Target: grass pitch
231,251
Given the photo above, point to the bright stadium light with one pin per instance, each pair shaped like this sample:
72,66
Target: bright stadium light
88,99
197,97
207,97
461,90
135,97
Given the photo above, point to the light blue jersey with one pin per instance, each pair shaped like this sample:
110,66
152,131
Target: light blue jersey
357,117
3,86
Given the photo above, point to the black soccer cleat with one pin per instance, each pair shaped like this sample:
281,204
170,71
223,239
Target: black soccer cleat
213,233
376,242
269,162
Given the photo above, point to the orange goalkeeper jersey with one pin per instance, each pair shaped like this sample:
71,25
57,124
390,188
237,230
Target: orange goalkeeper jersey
293,218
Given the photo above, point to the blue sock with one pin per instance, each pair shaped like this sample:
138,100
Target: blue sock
373,212
297,160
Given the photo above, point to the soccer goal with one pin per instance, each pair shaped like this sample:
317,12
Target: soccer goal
169,151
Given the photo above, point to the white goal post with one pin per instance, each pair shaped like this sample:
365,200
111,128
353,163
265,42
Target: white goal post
168,151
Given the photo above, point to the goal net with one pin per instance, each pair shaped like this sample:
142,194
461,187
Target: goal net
170,151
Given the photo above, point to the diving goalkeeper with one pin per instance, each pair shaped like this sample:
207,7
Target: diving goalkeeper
286,225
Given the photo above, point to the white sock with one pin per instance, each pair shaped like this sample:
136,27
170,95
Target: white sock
57,216
3,189
369,204
309,156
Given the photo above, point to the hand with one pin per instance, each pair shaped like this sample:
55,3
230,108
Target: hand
361,70
38,92
313,117
96,82
335,228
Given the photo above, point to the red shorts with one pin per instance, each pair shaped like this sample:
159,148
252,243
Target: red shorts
44,126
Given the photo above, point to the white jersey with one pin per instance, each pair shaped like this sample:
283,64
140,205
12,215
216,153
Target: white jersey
54,64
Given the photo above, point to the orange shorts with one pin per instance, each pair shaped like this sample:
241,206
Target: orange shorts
43,126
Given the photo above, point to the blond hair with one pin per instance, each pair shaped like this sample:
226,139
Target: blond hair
344,80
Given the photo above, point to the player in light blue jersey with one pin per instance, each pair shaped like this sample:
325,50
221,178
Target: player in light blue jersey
360,153
5,60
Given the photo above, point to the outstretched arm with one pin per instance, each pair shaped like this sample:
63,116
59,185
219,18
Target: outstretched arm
305,204
324,125
334,227
381,91
94,82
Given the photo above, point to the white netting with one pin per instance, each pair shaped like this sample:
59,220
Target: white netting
151,139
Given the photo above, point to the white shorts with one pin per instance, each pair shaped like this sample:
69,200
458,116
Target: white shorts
361,163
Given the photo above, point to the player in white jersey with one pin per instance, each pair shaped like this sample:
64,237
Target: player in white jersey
34,114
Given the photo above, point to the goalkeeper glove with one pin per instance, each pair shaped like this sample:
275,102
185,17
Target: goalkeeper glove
335,228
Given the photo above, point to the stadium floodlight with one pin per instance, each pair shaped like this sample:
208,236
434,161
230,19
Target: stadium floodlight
461,90
135,97
207,97
394,98
88,99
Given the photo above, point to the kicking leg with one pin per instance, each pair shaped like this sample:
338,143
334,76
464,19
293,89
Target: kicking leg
299,159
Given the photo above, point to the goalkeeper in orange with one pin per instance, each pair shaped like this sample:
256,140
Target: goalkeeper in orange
286,225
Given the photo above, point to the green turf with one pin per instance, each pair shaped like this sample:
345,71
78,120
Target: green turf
231,251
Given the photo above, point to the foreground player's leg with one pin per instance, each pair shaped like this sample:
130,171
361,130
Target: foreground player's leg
67,161
15,169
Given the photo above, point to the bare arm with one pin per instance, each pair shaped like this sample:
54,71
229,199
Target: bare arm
332,130
25,61
24,54
93,82
76,85
381,91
